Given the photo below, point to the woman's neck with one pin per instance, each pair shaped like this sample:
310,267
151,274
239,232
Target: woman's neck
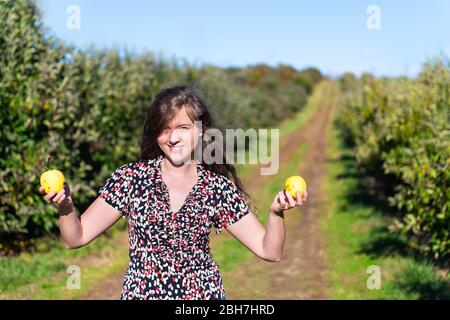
178,170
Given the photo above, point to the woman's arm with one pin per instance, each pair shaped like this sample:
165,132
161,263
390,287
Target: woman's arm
79,231
266,242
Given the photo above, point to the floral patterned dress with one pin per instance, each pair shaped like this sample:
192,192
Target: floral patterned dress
169,251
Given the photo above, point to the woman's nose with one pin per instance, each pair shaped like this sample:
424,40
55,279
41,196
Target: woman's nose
174,137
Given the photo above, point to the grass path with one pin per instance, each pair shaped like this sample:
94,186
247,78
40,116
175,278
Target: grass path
301,273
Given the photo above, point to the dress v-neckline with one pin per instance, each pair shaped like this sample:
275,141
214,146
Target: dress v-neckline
192,190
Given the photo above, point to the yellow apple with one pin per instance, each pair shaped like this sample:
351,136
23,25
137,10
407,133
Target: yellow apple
52,180
294,184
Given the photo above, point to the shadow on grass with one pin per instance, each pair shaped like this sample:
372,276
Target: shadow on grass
381,242
421,282
365,190
418,280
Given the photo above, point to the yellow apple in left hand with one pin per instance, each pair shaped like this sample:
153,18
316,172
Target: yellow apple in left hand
294,184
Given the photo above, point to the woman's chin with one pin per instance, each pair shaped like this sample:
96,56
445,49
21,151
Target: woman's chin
178,158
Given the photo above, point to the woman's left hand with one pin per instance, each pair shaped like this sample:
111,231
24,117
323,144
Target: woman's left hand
284,201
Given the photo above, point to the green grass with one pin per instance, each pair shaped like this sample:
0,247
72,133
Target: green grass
356,237
109,260
45,267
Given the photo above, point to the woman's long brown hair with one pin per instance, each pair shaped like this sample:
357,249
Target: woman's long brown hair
162,110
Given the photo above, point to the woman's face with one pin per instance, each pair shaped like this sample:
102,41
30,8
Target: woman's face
177,140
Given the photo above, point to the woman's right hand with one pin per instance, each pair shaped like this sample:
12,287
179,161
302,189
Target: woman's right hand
62,199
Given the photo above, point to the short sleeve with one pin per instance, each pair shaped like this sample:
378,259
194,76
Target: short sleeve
116,191
231,206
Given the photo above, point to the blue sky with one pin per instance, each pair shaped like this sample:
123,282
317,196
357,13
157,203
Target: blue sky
330,35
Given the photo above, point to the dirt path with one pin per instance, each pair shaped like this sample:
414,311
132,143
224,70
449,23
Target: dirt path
109,289
300,275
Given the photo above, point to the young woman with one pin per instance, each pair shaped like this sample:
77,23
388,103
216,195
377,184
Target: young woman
171,204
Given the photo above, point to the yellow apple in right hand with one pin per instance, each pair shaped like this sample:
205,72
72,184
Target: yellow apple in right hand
52,180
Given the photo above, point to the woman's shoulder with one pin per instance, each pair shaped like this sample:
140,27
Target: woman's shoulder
136,168
142,165
220,181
